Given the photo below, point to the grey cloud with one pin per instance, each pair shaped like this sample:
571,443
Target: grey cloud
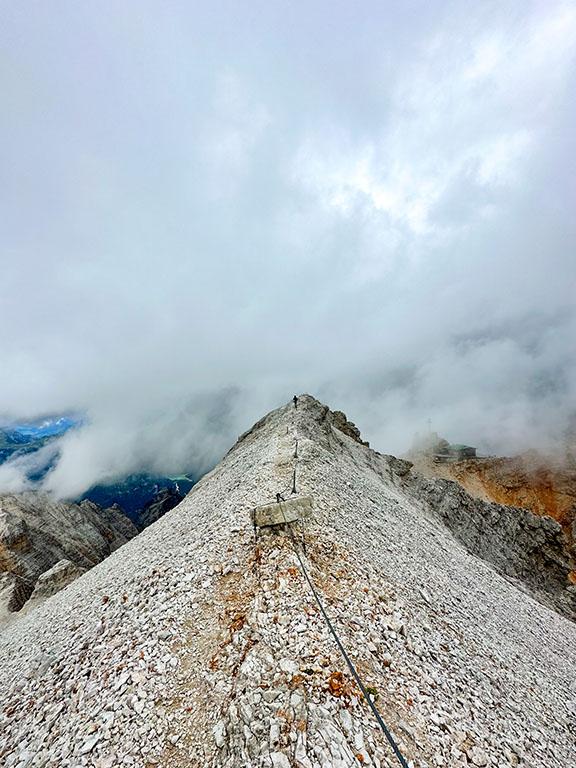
206,209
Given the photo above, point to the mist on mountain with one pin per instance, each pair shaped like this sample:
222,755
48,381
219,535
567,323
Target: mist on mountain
228,207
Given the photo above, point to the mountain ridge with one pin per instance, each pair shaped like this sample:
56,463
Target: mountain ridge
38,531
195,645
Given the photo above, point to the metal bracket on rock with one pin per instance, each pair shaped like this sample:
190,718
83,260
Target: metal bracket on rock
281,512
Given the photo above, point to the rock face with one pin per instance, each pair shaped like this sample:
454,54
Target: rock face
37,531
530,549
114,517
52,581
195,645
544,485
165,500
340,421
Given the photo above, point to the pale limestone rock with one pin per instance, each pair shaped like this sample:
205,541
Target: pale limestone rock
38,531
52,581
233,663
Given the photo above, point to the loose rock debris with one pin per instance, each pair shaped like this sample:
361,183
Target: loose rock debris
210,651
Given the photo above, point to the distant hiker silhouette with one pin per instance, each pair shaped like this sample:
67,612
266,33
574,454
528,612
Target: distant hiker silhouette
295,400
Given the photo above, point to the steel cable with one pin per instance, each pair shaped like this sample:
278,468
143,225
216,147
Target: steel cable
351,667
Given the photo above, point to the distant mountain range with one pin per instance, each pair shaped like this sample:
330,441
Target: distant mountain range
11,437
13,444
47,427
20,439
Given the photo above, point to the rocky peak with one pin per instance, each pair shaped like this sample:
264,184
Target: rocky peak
198,644
340,421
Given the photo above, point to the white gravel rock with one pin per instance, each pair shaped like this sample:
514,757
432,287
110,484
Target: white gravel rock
210,649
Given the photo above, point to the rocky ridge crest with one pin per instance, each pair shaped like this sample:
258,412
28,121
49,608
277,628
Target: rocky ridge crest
195,645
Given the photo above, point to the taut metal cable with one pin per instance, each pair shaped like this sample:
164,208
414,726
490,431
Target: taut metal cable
347,659
351,666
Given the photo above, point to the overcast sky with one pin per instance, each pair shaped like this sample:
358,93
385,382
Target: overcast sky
206,207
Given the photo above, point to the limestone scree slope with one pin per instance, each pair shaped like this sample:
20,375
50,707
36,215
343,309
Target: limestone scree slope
194,645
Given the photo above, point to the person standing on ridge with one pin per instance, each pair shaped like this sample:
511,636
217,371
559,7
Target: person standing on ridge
295,400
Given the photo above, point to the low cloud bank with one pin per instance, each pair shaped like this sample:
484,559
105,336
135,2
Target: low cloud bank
378,213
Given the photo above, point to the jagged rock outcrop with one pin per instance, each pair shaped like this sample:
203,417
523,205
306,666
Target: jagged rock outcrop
522,545
339,420
113,516
195,645
52,581
165,500
37,531
544,485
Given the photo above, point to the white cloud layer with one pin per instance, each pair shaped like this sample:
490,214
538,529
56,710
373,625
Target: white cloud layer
208,207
